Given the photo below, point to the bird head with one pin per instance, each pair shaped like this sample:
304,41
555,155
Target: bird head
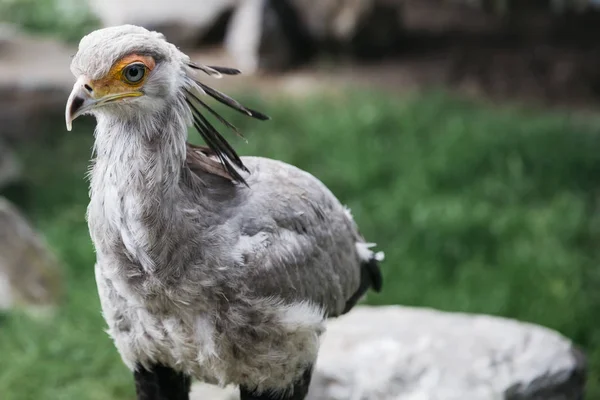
123,70
127,72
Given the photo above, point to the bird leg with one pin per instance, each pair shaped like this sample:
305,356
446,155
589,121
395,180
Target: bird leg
161,383
299,391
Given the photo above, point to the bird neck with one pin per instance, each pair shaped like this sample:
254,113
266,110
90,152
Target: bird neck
136,186
146,154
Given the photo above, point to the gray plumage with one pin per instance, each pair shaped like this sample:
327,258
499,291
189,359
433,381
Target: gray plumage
226,282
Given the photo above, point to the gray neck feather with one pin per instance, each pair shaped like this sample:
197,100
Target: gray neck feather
136,182
144,152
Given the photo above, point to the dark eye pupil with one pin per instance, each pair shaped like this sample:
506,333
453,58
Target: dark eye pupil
134,73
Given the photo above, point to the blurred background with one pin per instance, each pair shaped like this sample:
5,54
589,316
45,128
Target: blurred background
464,135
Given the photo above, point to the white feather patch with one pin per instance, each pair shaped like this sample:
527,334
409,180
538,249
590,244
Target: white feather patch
366,254
205,331
303,314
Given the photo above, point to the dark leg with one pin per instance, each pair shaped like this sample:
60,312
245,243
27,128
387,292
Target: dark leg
161,383
299,393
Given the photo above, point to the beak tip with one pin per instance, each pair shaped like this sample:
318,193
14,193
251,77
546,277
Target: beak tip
69,122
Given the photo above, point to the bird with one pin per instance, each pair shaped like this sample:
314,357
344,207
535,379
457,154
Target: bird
209,266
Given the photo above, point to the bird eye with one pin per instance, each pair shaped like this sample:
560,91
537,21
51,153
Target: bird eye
134,73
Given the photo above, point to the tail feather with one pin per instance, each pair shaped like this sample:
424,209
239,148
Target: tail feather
370,278
374,272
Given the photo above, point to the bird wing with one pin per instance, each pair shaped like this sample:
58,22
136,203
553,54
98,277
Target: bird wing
298,243
202,159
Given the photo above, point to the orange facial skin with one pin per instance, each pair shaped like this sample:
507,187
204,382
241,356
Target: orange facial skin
115,83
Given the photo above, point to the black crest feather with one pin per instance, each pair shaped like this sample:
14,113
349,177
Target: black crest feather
214,70
211,136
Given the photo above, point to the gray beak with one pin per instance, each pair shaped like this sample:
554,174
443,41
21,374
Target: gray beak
80,101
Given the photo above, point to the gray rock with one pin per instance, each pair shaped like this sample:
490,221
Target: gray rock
184,22
401,353
30,276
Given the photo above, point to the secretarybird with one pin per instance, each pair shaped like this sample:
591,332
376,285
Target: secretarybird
209,266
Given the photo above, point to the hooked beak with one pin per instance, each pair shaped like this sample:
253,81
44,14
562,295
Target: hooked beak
84,98
80,101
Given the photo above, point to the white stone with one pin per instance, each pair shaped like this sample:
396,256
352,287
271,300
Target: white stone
402,353
243,36
210,392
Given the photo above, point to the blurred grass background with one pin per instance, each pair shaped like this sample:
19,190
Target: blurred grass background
65,19
479,208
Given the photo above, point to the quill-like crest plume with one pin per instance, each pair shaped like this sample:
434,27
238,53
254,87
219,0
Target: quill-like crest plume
211,136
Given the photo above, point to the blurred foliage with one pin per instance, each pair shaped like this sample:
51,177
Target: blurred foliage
478,208
66,19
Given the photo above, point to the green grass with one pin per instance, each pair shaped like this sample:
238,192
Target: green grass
478,208
66,19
